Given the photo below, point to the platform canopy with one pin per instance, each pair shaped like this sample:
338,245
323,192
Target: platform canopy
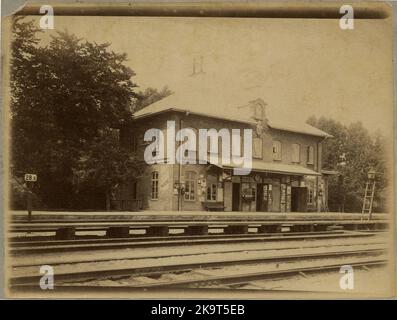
279,168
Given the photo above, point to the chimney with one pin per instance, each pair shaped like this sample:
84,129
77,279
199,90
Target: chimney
198,69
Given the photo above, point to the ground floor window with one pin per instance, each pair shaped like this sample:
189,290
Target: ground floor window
155,185
190,186
310,193
211,192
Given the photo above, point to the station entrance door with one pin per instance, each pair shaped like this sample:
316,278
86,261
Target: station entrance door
262,197
298,199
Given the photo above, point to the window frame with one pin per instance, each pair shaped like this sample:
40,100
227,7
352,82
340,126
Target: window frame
211,187
260,143
293,160
157,139
277,155
154,191
310,193
191,180
310,155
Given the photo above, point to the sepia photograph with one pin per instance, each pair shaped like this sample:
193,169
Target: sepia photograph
198,150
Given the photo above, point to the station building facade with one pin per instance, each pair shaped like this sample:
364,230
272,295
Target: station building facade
286,173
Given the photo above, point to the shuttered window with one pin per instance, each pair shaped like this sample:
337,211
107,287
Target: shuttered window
276,150
295,153
310,155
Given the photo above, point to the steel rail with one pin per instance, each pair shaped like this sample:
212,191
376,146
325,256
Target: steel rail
164,242
245,278
183,267
55,263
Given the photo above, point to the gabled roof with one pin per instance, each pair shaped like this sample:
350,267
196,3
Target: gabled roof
197,96
194,105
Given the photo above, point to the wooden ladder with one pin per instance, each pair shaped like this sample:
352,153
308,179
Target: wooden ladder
368,199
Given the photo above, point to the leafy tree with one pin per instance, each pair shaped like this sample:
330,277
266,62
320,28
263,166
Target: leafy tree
64,95
352,152
151,95
105,165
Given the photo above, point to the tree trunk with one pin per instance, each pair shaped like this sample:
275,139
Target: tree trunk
107,201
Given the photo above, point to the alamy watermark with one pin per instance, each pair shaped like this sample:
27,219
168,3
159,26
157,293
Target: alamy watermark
346,22
236,149
47,280
346,281
47,20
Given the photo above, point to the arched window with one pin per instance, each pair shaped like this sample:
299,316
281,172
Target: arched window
296,150
155,185
190,186
276,150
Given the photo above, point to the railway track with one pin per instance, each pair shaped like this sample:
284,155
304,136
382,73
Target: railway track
31,247
126,256
246,278
372,255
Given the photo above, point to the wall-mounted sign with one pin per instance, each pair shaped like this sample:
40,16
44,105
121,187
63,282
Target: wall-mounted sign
236,179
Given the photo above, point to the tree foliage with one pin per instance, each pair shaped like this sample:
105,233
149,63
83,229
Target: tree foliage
352,152
151,95
106,170
64,96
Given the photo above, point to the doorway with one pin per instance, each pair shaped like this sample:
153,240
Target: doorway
236,197
262,198
259,197
298,199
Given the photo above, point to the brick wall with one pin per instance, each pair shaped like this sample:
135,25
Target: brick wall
169,174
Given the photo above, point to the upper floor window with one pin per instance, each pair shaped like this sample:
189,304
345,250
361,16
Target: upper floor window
257,148
276,150
190,136
155,185
156,138
190,186
310,154
295,153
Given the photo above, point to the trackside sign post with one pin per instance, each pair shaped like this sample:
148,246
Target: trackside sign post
30,178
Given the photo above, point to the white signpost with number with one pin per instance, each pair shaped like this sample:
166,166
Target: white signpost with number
30,177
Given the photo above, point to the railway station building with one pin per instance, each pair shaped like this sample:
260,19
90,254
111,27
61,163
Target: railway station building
286,173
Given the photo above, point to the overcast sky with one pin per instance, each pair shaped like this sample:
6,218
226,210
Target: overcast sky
304,67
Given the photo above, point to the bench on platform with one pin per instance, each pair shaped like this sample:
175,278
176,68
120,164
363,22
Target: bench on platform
214,206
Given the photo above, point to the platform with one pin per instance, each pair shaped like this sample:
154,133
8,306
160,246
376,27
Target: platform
189,216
